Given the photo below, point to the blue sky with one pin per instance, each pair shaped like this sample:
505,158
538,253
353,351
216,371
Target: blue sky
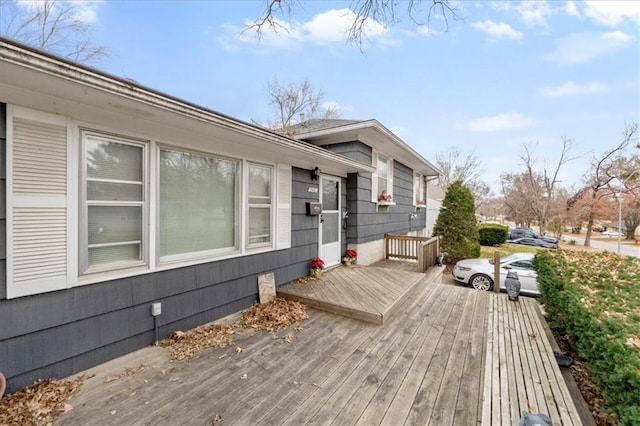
508,73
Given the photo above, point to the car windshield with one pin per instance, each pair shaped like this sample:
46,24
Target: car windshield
505,259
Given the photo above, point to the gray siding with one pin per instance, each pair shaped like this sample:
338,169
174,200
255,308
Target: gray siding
354,150
60,333
366,223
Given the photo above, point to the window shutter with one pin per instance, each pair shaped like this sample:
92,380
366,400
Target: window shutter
374,179
283,208
36,203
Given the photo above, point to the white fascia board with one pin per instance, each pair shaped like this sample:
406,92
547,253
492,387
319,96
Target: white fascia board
59,68
399,147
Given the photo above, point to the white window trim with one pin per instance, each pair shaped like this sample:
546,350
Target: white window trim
272,225
281,205
375,191
83,239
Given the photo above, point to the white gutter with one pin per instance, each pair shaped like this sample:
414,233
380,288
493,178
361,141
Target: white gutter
41,61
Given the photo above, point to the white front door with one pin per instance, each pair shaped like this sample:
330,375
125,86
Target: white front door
330,229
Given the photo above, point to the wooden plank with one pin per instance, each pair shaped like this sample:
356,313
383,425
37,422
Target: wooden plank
469,403
561,396
323,380
327,393
505,407
379,386
445,404
517,349
370,317
422,407
488,382
393,399
512,367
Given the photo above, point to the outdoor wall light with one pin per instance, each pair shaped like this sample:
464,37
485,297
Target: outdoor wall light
315,173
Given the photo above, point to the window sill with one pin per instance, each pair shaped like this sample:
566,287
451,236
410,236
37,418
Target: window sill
421,206
386,203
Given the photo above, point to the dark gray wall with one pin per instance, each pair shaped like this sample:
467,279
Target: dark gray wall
368,222
60,333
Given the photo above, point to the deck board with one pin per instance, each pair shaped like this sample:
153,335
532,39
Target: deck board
444,358
371,294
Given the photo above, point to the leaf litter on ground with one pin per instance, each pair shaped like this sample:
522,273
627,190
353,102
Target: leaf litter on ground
274,315
38,404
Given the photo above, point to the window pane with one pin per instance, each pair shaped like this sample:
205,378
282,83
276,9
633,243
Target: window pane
198,203
259,225
382,167
329,195
330,227
107,191
112,160
113,224
102,255
259,181
382,185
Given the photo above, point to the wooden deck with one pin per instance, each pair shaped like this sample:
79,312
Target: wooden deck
451,356
371,293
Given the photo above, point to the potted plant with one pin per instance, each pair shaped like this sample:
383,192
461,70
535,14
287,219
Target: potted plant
349,257
317,265
385,197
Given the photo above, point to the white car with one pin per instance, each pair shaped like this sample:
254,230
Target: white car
610,233
479,273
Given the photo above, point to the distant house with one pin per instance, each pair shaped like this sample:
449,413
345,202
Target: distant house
117,196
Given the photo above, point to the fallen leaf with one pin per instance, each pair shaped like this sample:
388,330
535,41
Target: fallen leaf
239,349
243,377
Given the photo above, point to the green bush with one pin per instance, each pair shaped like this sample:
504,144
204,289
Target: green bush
492,234
594,298
456,224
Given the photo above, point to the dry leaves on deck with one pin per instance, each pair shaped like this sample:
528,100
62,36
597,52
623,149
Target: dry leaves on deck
126,373
278,313
183,345
38,404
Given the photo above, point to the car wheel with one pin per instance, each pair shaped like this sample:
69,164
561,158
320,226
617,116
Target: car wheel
481,282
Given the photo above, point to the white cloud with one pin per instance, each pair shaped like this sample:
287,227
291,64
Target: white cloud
570,88
571,9
495,30
330,27
534,13
583,47
617,35
333,26
512,120
84,11
613,12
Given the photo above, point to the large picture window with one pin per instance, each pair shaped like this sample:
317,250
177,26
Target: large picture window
259,205
198,210
114,202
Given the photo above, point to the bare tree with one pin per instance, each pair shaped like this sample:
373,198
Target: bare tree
544,183
466,168
384,12
297,102
604,169
53,25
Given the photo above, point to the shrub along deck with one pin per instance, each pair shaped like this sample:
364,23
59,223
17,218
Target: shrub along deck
450,355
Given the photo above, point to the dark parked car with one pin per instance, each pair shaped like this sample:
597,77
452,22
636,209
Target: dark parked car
529,233
536,242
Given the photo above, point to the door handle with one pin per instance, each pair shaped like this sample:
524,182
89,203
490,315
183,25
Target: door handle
321,219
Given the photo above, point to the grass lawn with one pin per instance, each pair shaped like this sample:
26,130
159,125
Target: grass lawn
506,249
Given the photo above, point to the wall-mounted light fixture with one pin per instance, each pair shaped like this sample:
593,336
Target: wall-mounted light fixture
315,173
